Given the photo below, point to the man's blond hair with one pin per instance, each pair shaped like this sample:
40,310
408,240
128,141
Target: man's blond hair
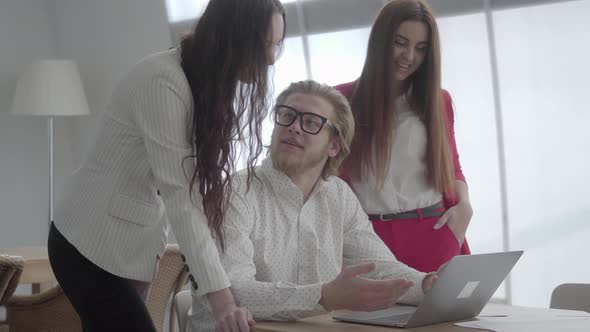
343,118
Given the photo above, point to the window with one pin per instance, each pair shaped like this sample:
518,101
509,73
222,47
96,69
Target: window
338,57
182,10
543,57
466,74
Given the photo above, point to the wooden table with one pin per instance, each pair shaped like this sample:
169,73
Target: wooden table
37,270
325,323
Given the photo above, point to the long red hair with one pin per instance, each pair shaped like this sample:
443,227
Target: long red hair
373,103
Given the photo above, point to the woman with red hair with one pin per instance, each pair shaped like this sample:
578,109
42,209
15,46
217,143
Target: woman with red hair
404,165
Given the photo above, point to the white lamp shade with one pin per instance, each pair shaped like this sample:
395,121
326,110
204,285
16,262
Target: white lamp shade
50,88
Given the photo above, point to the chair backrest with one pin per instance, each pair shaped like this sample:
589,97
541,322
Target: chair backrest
11,268
169,280
571,297
51,310
182,302
54,305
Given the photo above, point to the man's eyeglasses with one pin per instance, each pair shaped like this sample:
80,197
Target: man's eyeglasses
310,123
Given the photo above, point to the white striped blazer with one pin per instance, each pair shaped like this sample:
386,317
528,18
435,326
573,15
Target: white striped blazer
110,210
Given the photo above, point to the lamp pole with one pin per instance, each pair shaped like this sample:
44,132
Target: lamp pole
50,88
50,134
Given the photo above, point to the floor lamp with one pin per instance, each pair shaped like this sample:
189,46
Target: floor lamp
50,88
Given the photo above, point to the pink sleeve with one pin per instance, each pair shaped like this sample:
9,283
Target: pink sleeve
345,89
449,201
451,135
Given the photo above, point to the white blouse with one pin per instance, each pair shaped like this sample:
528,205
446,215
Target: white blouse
406,186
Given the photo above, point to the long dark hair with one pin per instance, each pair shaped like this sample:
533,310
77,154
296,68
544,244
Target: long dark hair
228,45
375,91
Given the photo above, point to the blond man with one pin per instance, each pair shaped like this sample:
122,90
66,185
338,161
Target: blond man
297,241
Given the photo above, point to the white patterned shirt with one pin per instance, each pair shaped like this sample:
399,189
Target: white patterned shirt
280,249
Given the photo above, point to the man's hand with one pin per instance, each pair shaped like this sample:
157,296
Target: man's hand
431,278
349,291
228,316
428,281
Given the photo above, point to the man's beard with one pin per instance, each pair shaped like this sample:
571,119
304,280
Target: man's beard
291,165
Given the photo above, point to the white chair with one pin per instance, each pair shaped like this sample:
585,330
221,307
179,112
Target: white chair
183,302
571,297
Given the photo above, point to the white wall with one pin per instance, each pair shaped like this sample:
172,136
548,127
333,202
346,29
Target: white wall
27,32
106,37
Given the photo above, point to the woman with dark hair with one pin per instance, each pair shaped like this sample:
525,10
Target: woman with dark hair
162,157
410,181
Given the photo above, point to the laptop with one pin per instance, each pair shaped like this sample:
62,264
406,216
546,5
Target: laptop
462,290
